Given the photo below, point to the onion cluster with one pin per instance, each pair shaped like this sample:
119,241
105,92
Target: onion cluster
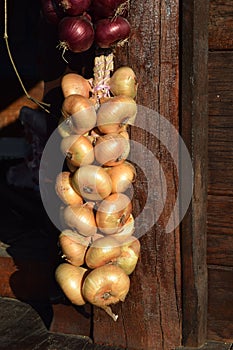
82,23
97,243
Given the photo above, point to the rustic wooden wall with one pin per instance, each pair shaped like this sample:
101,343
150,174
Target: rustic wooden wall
220,171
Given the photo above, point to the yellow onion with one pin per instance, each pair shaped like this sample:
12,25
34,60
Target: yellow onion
73,83
111,149
80,218
72,168
123,82
106,285
78,149
81,112
115,113
65,191
73,246
92,182
126,231
122,176
102,251
113,212
65,127
70,278
128,258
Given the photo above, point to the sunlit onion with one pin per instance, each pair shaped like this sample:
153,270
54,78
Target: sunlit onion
92,182
80,218
113,212
106,285
70,278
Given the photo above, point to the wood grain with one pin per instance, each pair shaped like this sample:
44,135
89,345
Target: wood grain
220,147
221,25
194,130
220,306
150,317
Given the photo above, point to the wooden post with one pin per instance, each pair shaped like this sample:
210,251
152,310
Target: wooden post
150,318
194,122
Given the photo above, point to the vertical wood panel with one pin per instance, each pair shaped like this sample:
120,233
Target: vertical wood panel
194,124
150,318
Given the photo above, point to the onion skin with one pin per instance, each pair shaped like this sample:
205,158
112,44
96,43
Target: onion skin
78,149
75,34
65,191
73,246
128,258
111,32
51,11
106,285
73,7
70,278
107,8
126,231
102,251
123,82
80,218
113,212
114,114
92,182
111,149
122,176
81,113
73,83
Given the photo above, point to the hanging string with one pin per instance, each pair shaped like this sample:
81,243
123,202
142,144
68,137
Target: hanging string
42,105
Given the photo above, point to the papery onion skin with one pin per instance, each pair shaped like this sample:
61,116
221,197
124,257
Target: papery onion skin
102,251
111,149
73,246
106,285
114,114
80,218
123,82
81,113
126,231
73,83
107,8
65,191
92,182
51,11
129,256
113,212
70,278
111,32
78,149
75,34
73,7
122,176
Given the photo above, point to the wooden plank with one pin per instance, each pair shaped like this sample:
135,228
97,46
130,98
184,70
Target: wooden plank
220,68
221,25
194,128
220,305
212,346
220,145
220,218
219,249
150,317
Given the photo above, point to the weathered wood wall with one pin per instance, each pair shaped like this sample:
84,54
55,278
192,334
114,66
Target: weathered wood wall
220,172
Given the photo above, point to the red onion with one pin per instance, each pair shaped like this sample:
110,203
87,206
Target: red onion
75,33
73,7
108,8
51,12
110,32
